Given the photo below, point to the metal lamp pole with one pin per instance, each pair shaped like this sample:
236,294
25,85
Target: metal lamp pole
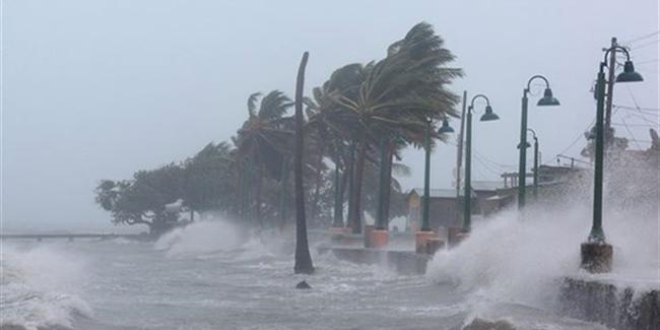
487,116
547,100
628,75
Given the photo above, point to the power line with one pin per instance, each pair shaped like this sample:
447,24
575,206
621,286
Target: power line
646,44
641,37
581,135
493,162
628,107
635,125
632,96
648,61
638,115
486,166
631,133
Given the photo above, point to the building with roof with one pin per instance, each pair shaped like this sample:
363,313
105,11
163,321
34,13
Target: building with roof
446,205
488,197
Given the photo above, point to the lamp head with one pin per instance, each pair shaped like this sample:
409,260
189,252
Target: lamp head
629,74
548,99
445,128
489,115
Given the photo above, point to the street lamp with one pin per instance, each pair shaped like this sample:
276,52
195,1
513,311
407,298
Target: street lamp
425,232
445,128
596,254
487,116
547,100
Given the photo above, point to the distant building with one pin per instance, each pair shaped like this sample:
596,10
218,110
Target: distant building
446,209
488,197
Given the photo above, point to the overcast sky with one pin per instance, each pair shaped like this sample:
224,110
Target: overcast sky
99,89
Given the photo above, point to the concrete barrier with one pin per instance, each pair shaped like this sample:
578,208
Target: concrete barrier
617,307
402,262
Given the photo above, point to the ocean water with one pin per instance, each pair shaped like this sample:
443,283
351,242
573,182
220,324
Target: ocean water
209,276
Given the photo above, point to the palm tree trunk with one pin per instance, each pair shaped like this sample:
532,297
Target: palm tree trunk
303,259
357,188
283,192
350,173
381,223
338,219
243,191
257,209
388,183
317,189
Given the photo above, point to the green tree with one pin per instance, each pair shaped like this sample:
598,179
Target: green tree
208,179
396,98
262,143
143,199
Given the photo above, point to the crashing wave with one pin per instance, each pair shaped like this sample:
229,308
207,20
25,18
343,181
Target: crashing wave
37,289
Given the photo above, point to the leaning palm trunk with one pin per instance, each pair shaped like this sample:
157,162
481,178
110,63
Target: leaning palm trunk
257,209
356,216
283,193
317,188
350,176
338,216
388,183
303,260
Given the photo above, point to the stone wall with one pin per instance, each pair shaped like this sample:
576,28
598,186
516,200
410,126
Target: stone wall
605,303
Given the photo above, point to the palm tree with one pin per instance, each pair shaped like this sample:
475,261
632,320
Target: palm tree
303,259
262,142
207,184
398,96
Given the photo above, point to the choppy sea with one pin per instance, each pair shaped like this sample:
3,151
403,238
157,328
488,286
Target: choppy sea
208,276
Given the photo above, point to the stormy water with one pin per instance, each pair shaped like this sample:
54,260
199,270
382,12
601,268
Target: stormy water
212,275
209,275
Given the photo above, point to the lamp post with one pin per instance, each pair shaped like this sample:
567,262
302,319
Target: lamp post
596,254
425,232
487,116
546,100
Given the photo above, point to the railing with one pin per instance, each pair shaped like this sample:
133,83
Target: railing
70,237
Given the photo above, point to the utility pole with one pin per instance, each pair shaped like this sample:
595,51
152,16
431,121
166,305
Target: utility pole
610,88
459,157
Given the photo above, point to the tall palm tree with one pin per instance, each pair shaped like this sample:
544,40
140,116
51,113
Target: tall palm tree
398,96
326,129
334,127
262,142
303,259
207,183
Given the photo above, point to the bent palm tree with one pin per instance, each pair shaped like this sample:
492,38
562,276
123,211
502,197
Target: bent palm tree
263,141
398,96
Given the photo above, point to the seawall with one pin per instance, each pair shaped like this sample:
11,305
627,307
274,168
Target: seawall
616,306
402,262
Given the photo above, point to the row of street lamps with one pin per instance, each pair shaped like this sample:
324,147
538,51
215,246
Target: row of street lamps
548,99
596,254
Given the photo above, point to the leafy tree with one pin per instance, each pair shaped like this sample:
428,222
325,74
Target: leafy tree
208,179
143,199
262,142
396,97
